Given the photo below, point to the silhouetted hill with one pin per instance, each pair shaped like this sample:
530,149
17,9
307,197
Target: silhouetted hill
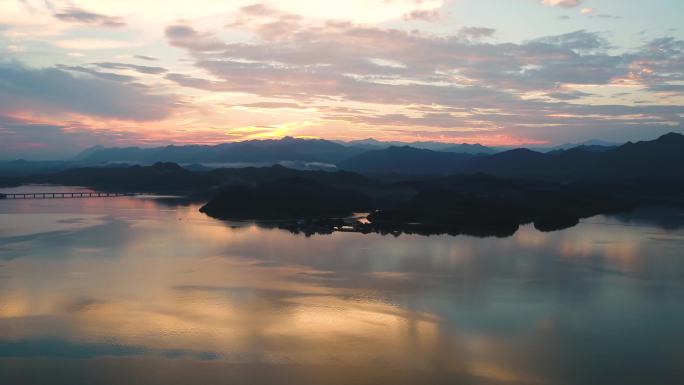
253,151
286,198
466,148
172,178
595,143
405,160
161,177
181,154
510,162
313,150
485,205
9,181
101,154
466,204
584,147
660,158
21,167
648,160
88,152
258,175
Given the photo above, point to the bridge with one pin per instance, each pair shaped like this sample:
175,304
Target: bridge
60,195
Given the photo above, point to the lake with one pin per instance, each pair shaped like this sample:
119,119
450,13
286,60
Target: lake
132,290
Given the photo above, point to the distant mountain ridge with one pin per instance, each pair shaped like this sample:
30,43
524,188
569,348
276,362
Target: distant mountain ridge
286,149
260,151
592,143
660,158
463,148
291,149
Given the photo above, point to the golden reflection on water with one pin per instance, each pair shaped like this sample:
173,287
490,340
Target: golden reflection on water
172,284
231,307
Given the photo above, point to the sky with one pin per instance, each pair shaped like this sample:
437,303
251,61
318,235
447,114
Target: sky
76,73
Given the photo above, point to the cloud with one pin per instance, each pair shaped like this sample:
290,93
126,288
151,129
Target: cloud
81,16
98,74
258,9
428,15
271,105
326,59
386,74
576,41
145,57
568,95
562,3
24,138
54,91
659,61
668,88
187,37
146,70
476,32
91,44
199,83
138,68
363,11
454,83
604,16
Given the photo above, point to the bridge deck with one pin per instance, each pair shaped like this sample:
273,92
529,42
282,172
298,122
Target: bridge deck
59,195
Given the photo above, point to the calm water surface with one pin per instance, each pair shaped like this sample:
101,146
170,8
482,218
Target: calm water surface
134,291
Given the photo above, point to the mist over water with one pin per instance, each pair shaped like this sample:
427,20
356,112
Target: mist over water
132,290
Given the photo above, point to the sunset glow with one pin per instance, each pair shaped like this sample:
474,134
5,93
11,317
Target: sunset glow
76,73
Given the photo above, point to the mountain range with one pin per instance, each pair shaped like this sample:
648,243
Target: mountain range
463,148
662,158
288,149
253,151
